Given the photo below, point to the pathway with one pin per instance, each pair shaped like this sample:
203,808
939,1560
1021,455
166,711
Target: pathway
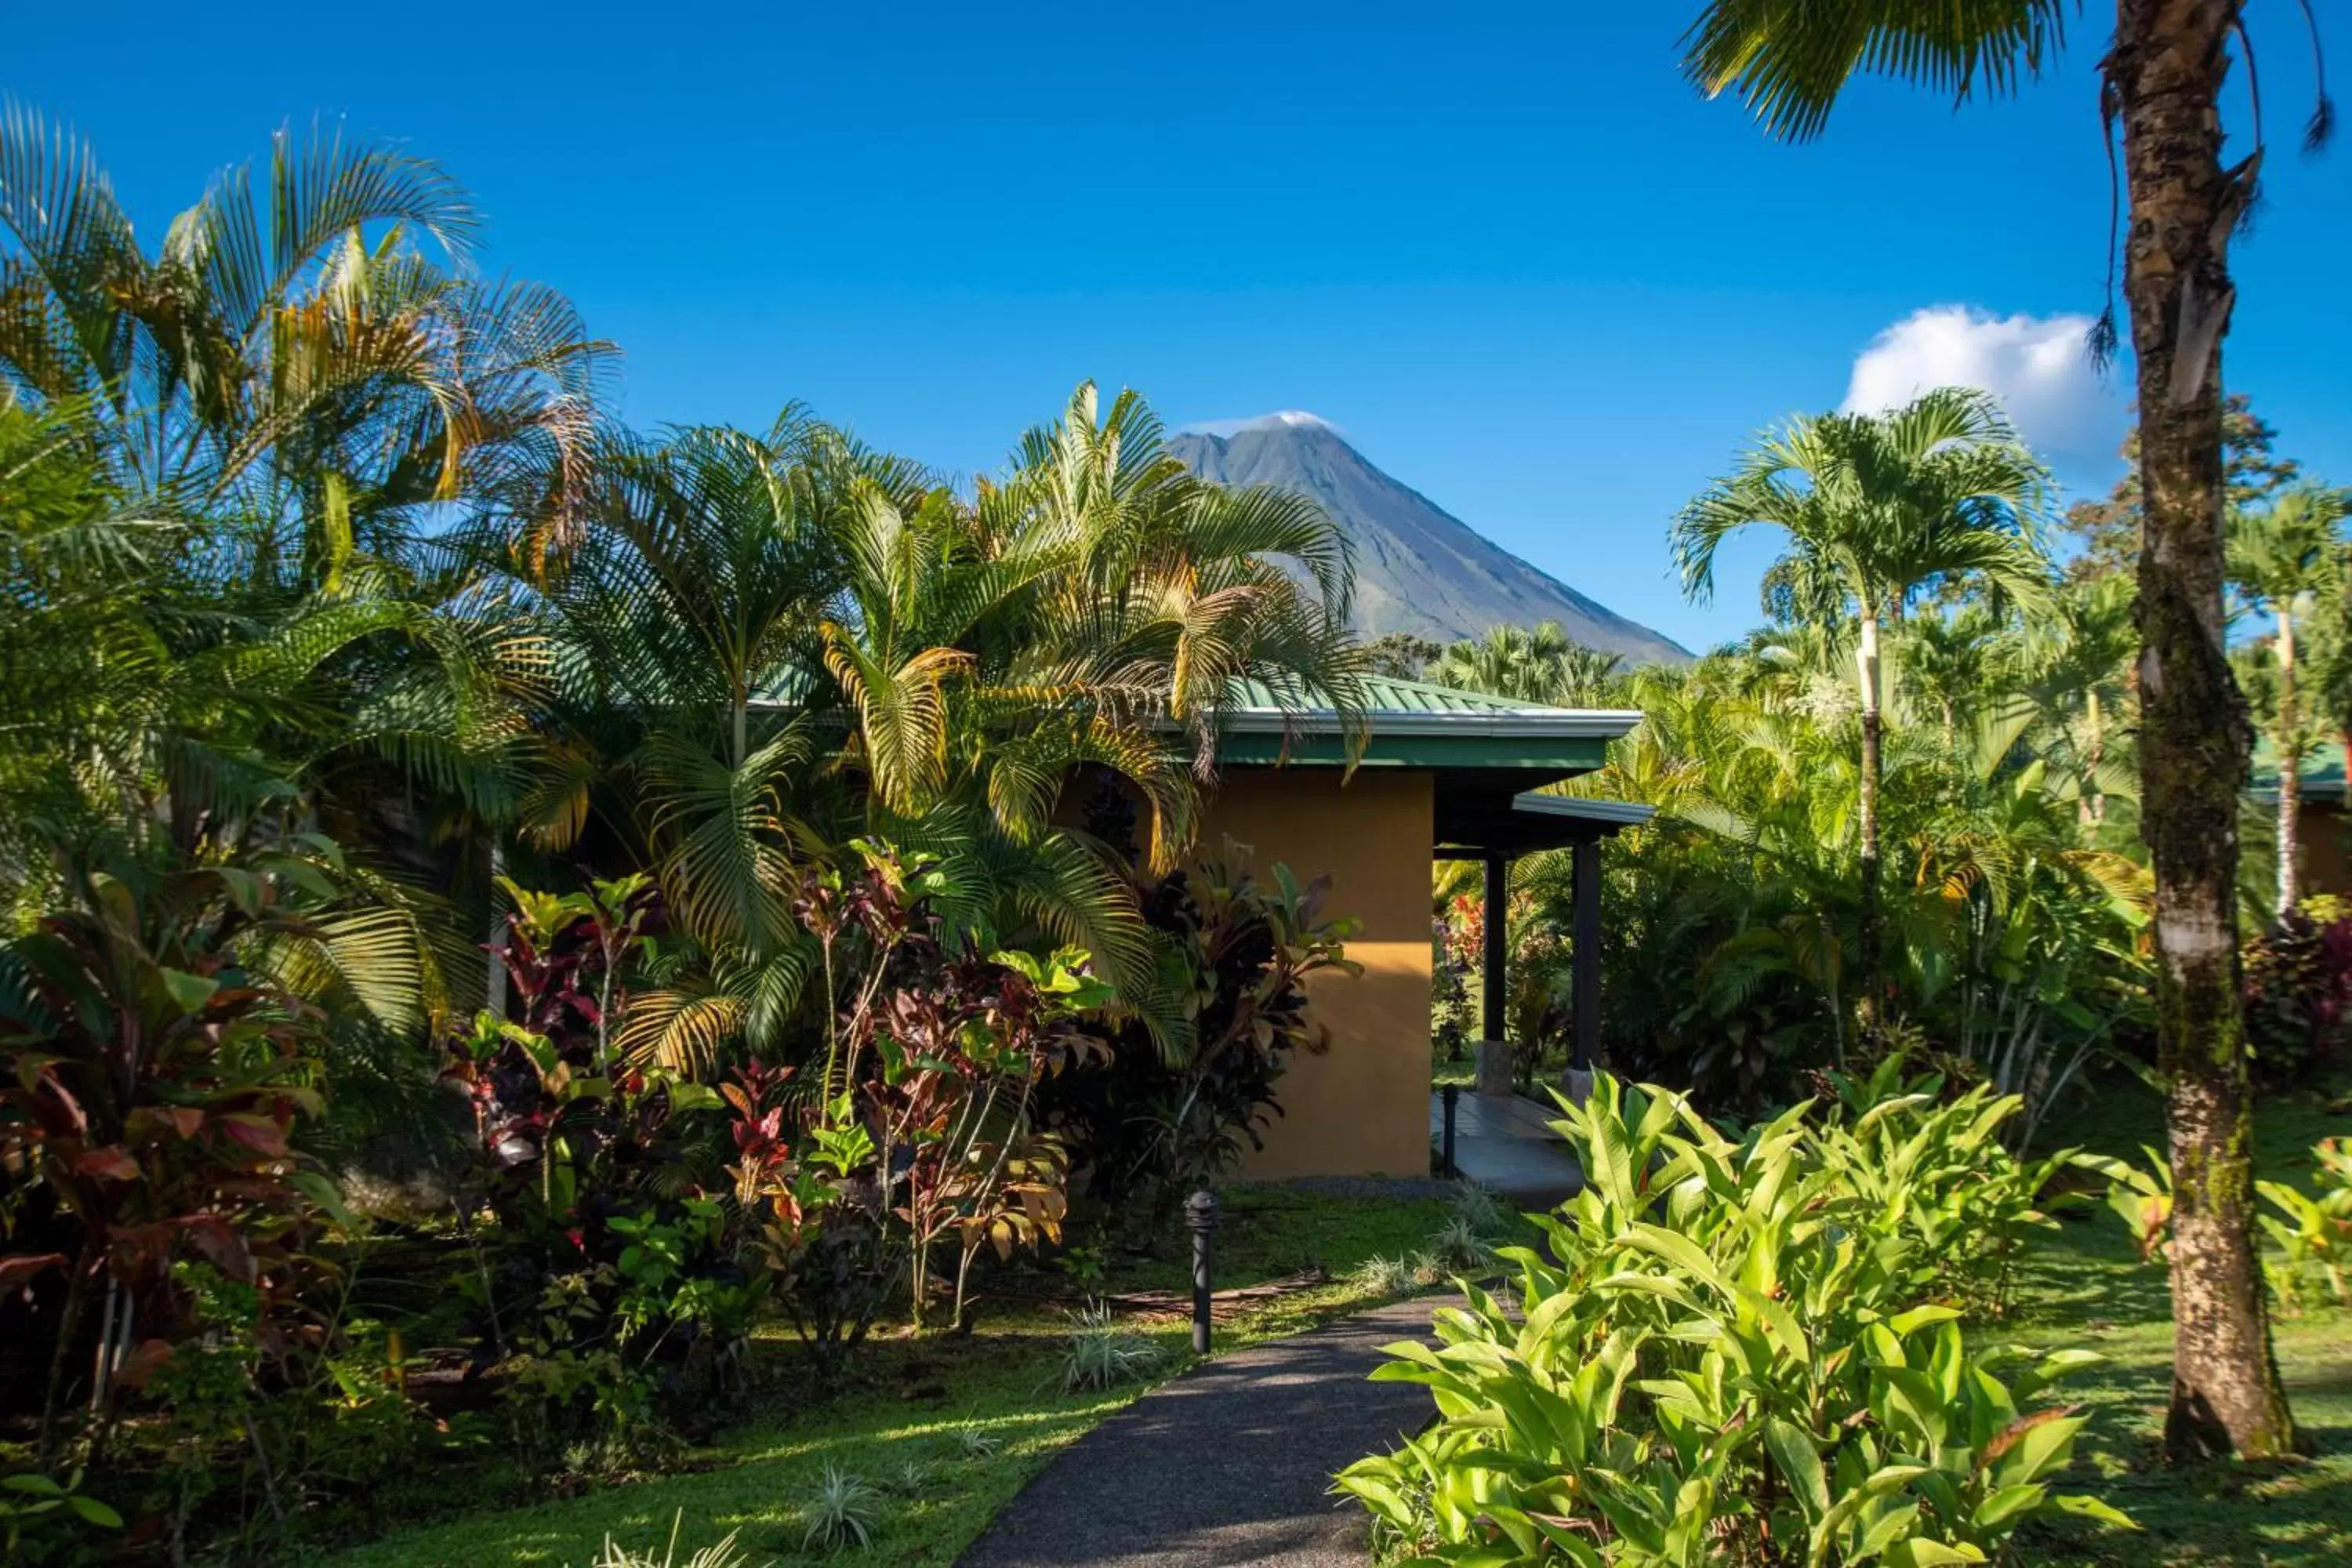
1231,1463
1506,1143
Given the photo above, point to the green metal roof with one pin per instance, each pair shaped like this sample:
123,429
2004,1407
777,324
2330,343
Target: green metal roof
2321,776
1385,694
1409,724
1414,724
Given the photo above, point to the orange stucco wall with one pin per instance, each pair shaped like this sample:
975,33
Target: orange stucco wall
1361,1109
2326,867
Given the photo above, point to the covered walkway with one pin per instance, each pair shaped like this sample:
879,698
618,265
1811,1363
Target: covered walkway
1506,1144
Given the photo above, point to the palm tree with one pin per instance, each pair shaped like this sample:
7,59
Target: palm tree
1521,662
2079,678
2283,558
1876,507
1947,662
2162,77
770,644
292,358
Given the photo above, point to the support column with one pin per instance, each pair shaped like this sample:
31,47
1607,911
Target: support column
1494,1051
1495,987
1585,997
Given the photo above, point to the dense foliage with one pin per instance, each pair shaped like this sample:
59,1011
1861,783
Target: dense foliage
2014,898
1746,1350
640,863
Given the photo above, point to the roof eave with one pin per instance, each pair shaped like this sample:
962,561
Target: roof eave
1533,725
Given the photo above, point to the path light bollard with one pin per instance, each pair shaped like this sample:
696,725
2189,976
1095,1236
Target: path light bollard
1200,1219
1453,1095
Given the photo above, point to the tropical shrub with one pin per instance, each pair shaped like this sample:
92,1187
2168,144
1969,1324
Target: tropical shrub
1727,1351
2313,1233
2297,988
607,1289
157,1064
919,1133
1191,1073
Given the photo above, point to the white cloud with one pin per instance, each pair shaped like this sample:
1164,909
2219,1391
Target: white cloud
1260,422
2037,366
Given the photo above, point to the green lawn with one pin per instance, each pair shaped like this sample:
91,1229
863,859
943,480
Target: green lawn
974,1418
2085,1289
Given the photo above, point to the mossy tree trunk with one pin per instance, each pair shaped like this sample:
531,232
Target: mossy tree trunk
2165,75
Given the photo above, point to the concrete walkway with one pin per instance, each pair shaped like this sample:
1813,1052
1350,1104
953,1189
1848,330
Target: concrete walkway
1506,1145
1231,1463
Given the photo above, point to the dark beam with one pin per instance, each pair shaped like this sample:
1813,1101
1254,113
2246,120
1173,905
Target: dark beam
1585,996
1498,908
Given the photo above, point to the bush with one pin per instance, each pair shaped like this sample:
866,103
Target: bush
1178,1103
1734,1356
2297,989
606,1287
2313,1233
921,1139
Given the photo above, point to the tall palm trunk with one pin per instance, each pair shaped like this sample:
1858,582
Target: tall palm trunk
1867,659
2164,74
2096,755
2290,766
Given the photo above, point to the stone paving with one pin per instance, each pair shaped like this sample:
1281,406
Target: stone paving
1229,1464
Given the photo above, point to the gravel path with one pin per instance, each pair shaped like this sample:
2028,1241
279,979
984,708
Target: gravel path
1231,1463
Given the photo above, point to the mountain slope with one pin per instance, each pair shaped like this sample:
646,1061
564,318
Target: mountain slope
1419,569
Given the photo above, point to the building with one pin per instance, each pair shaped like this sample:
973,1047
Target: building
1443,774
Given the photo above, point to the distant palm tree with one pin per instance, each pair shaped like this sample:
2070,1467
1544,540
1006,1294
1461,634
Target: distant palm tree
2283,558
2079,675
1521,662
1584,676
1875,507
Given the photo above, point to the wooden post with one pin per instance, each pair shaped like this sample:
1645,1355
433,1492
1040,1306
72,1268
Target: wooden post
1495,986
1585,997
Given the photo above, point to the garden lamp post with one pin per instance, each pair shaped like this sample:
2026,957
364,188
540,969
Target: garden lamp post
1200,1219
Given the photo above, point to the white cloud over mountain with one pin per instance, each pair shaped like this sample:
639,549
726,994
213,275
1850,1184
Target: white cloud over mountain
2037,366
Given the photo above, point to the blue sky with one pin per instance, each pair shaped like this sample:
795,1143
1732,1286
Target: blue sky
1523,268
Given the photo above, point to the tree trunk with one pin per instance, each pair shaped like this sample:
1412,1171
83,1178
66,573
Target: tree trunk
2164,74
1867,657
2290,767
2098,755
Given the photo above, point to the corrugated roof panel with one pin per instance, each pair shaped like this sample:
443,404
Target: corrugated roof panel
1383,694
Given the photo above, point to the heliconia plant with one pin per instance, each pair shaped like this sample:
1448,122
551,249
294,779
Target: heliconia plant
2141,1196
2313,1233
1730,1352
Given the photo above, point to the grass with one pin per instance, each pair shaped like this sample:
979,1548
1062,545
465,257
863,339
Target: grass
944,1428
2085,1287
